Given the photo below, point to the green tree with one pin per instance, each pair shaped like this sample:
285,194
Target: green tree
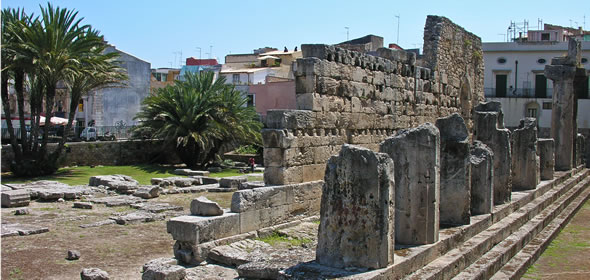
199,116
52,48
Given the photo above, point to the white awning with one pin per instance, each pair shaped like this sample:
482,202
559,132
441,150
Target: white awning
267,57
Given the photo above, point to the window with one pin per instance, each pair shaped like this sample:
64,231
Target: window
250,100
584,60
501,60
540,86
545,36
531,113
501,84
81,106
532,110
236,78
541,61
547,105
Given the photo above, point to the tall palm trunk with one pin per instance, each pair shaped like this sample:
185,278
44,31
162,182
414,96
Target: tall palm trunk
19,77
6,106
49,97
71,114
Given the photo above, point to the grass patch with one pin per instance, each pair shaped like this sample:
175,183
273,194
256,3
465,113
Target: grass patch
230,172
81,174
16,273
531,273
275,239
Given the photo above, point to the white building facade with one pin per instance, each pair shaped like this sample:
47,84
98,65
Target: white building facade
514,75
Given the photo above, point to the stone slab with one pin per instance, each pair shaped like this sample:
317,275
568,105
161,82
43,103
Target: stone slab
138,217
199,229
99,223
22,229
16,198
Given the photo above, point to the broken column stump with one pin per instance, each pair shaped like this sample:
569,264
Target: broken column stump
455,181
580,149
489,129
416,156
357,210
546,150
525,161
482,179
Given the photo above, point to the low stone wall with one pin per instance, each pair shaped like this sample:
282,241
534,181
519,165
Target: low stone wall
251,210
105,153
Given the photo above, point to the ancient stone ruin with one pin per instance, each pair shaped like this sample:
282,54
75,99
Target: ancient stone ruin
416,156
525,161
357,212
489,129
400,196
347,97
567,77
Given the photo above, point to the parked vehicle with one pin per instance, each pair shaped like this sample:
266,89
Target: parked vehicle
91,134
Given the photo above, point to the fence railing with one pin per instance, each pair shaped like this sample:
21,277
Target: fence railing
120,132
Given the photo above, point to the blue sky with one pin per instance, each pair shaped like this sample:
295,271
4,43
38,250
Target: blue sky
157,31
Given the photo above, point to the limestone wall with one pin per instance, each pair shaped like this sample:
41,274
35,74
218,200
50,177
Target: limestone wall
105,153
358,98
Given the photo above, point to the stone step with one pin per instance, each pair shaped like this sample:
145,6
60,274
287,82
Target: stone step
522,210
410,259
517,266
493,260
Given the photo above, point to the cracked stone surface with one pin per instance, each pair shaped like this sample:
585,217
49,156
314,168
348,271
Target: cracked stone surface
154,207
118,200
21,229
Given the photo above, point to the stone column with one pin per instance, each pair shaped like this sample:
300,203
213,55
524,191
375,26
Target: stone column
546,150
455,186
525,161
482,179
489,129
357,210
562,72
416,156
580,148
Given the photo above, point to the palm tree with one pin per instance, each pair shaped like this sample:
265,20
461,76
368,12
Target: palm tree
14,66
199,116
52,48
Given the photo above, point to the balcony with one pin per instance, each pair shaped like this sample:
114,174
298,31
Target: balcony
518,93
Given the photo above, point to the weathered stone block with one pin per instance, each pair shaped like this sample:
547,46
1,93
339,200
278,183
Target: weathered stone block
148,192
482,179
202,206
455,180
289,119
232,182
486,130
525,161
546,150
94,274
357,212
199,229
16,198
416,156
276,138
283,175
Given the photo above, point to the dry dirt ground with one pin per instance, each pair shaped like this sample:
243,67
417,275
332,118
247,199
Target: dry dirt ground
568,256
121,250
